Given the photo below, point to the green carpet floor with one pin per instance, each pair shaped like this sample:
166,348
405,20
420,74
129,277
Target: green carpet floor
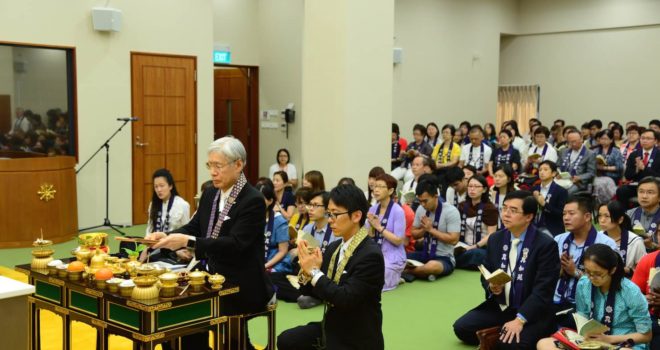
415,315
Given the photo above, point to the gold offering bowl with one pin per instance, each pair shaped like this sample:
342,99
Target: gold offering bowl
197,280
216,281
150,270
41,258
93,239
145,288
169,283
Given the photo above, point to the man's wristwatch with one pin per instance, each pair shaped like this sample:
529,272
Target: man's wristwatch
191,244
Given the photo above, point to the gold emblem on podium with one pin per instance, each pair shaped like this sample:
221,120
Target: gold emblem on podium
46,192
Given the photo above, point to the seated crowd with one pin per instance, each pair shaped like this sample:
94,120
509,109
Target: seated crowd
29,133
570,214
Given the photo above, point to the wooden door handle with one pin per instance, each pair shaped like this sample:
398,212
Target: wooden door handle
140,144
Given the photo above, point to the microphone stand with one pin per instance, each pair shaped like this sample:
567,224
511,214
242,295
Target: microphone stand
106,145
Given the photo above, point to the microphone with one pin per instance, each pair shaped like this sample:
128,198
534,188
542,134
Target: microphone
131,119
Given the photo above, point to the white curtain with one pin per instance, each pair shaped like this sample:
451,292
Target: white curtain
519,103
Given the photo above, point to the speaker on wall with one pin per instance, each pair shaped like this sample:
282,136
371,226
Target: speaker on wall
106,19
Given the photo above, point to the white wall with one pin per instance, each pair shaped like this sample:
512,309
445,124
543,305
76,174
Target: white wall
7,77
104,82
451,60
587,62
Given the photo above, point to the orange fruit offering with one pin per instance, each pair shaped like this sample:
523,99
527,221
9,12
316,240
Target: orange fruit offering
76,266
103,274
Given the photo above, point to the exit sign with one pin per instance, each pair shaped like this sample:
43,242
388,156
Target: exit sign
221,57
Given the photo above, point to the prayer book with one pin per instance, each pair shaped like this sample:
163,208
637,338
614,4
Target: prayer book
587,326
293,280
640,231
600,160
413,263
311,241
534,157
496,277
564,175
460,248
407,197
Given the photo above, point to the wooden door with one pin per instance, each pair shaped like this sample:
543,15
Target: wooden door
235,111
163,92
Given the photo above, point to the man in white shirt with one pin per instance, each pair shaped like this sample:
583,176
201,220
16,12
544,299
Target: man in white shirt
476,153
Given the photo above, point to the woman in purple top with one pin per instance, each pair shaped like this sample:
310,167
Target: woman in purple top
386,223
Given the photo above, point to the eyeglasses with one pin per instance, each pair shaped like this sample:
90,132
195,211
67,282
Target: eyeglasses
648,193
315,206
380,186
595,275
334,216
511,210
217,166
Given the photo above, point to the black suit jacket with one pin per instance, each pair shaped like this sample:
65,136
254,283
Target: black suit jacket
354,318
631,167
238,252
540,276
552,213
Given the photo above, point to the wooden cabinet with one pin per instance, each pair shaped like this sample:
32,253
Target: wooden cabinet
24,208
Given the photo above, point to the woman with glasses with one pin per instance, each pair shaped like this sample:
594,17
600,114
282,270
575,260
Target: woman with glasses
478,220
373,174
283,164
386,223
285,203
276,234
616,224
604,294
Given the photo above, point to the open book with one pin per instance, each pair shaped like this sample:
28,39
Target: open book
564,175
312,242
460,248
496,277
534,157
587,326
407,197
640,231
600,160
571,340
413,263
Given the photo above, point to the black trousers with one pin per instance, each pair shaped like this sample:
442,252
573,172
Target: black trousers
300,338
625,193
655,342
488,314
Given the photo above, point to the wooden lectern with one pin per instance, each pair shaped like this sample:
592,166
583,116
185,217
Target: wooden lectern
37,193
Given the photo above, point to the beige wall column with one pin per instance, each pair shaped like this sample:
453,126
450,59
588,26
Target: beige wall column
346,110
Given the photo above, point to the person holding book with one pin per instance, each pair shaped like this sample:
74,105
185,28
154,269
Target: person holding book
551,198
529,258
605,295
646,277
276,234
541,146
646,216
456,180
640,164
502,184
579,162
609,166
614,222
505,154
386,224
476,153
572,244
438,225
478,220
348,278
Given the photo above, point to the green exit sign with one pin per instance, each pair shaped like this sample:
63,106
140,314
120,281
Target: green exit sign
221,57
